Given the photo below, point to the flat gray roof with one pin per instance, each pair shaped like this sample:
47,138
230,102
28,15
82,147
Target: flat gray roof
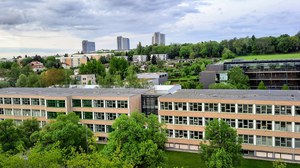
72,91
276,95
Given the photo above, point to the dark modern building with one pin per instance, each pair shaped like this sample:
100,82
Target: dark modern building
274,73
123,43
88,47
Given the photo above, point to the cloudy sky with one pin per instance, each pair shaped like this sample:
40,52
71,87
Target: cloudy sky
50,27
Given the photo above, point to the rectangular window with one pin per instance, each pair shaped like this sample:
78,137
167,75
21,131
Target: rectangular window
170,133
1,100
122,104
90,126
181,134
264,140
99,116
283,126
263,109
8,112
247,139
42,102
228,108
283,142
245,108
212,107
36,113
111,116
167,119
297,110
180,106
297,127
196,135
297,143
230,122
100,128
264,125
166,105
110,103
7,100
109,129
1,111
76,103
180,120
43,113
195,106
17,112
283,110
16,101
51,115
25,101
86,103
26,112
35,102
245,124
56,103
207,120
99,103
79,114
88,115
196,121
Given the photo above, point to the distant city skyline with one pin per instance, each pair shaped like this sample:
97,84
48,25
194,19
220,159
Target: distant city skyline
51,27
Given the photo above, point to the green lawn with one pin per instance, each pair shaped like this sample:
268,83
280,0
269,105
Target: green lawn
269,57
192,160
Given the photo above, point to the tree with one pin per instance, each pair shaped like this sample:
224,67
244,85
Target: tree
131,79
279,164
67,132
22,81
285,87
10,139
4,84
54,77
223,149
139,49
118,66
221,85
92,67
33,80
237,78
153,60
52,62
227,54
261,86
137,140
27,128
185,52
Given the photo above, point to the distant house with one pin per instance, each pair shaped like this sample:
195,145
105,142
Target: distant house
162,57
139,58
86,79
37,66
154,78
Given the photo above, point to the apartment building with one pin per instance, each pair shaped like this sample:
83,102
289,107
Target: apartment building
123,43
88,47
158,38
97,108
268,122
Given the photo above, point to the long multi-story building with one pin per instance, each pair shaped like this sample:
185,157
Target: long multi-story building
123,44
268,122
158,38
274,73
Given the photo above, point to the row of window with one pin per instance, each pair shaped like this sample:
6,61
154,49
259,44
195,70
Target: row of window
184,134
268,141
22,101
229,108
100,103
22,112
248,124
62,103
97,115
100,128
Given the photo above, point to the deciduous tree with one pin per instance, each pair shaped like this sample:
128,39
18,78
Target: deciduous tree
223,149
137,140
